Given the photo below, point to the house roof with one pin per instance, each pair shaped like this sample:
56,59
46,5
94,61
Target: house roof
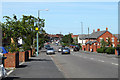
74,36
91,42
95,35
82,36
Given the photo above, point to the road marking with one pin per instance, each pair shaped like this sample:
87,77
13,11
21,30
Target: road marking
91,58
21,63
10,72
101,60
113,58
114,63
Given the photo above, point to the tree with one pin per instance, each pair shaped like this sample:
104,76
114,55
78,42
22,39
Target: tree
67,39
103,43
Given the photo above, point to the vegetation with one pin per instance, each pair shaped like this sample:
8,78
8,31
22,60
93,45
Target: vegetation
67,40
24,28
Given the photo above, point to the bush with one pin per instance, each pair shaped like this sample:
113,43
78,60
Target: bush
110,50
101,50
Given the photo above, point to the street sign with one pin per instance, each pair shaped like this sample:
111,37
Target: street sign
36,29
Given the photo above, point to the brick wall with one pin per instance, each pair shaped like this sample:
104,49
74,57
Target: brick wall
12,60
22,56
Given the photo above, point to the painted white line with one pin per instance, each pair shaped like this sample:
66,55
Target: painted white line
114,63
101,60
91,58
21,63
114,58
10,72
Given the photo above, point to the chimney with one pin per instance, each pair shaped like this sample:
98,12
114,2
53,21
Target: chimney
98,29
106,29
93,30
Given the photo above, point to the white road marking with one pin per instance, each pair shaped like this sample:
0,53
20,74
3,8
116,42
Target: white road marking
10,72
114,63
91,58
21,63
101,60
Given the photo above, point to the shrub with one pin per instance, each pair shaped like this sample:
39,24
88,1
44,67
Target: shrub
110,50
101,50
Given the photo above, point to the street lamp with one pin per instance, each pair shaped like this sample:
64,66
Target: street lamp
38,26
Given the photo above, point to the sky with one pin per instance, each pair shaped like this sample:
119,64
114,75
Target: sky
66,17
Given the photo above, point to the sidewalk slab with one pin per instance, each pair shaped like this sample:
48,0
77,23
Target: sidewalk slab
37,67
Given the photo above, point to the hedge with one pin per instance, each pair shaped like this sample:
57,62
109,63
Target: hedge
108,50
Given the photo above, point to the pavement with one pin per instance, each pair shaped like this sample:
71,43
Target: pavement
40,67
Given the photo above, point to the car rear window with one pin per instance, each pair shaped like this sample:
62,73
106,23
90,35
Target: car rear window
50,49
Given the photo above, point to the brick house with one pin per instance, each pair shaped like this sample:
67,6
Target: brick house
93,40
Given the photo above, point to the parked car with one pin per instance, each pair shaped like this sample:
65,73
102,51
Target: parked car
60,49
3,73
65,51
76,48
47,46
3,50
50,51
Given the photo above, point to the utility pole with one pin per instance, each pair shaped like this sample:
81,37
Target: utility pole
82,31
88,39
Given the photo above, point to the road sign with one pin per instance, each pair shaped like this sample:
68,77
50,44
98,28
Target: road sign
36,29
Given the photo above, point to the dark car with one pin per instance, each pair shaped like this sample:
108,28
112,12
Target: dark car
47,46
76,48
65,51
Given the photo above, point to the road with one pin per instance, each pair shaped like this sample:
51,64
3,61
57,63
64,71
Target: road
82,65
75,65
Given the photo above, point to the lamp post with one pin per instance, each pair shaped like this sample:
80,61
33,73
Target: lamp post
38,28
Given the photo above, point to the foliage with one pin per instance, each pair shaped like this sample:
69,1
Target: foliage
101,50
22,28
110,50
103,43
67,39
13,48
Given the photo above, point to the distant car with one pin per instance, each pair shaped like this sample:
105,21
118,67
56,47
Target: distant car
60,49
50,51
3,50
65,51
47,46
76,48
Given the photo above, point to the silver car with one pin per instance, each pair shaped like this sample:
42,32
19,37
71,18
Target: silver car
50,51
66,51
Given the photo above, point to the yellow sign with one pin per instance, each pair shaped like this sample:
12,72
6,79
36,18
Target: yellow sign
36,28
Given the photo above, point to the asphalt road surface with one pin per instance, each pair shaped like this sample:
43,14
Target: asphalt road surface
74,65
82,65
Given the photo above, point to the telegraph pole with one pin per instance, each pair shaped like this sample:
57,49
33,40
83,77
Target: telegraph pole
88,39
82,31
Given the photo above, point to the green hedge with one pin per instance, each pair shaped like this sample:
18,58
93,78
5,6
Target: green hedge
109,50
101,50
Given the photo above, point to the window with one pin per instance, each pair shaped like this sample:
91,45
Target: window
106,39
101,39
113,45
117,40
112,39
